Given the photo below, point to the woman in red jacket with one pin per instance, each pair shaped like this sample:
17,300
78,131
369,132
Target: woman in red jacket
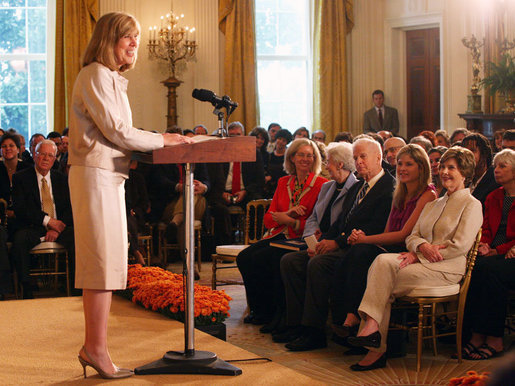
494,273
291,205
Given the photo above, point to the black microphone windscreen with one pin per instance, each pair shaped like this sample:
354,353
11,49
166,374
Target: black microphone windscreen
203,95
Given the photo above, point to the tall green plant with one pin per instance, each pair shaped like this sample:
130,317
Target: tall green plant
501,76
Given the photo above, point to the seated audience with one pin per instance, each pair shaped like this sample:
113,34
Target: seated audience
24,153
286,217
301,132
275,162
344,136
188,133
5,267
34,140
458,135
318,136
323,156
422,141
200,130
434,158
437,250
10,150
391,147
55,137
137,205
483,181
273,128
63,162
307,275
442,138
508,139
494,272
429,135
261,143
412,192
385,134
43,210
498,140
234,183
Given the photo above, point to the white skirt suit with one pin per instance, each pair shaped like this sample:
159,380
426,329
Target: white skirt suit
101,140
450,220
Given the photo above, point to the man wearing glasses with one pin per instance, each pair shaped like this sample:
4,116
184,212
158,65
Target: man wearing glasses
42,207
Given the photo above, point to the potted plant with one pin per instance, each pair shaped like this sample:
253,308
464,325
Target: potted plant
501,79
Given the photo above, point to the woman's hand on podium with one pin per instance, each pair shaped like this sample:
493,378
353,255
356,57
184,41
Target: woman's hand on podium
175,139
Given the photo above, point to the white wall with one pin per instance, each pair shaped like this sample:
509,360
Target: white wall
146,94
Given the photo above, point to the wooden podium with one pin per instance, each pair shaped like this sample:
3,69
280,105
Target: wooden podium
226,149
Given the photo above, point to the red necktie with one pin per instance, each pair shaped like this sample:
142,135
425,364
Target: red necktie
381,117
236,186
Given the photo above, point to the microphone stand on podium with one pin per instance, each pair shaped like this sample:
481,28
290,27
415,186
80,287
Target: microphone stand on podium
225,149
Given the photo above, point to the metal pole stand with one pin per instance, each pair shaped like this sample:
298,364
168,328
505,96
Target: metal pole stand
189,361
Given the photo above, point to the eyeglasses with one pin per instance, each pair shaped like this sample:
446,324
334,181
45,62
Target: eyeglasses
49,155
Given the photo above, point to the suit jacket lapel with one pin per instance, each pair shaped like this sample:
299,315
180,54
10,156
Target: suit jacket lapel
34,188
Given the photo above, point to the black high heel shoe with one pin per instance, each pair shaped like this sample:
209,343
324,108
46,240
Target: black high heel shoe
378,364
372,340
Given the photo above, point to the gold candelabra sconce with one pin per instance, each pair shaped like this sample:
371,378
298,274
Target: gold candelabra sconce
474,99
171,43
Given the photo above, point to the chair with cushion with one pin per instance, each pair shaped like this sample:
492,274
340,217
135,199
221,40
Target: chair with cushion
427,299
254,230
48,254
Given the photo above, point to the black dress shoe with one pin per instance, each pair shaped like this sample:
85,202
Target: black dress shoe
273,325
260,319
291,333
372,340
311,340
378,364
248,319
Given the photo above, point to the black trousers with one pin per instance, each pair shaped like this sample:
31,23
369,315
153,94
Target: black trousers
492,278
259,265
5,268
350,278
25,239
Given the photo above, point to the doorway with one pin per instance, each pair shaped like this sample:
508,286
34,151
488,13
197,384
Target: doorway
423,80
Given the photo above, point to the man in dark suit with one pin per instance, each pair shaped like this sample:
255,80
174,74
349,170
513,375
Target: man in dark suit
42,207
307,275
380,117
234,183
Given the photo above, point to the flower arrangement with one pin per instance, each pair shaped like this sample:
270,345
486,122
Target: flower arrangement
472,378
160,290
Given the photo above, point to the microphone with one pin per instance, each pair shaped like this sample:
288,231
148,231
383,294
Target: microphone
209,96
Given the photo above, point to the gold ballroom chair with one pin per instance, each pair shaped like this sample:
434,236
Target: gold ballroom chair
254,230
427,300
48,254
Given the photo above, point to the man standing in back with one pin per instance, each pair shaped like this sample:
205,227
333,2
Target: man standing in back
380,117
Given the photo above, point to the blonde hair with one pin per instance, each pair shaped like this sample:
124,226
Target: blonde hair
419,155
110,28
289,166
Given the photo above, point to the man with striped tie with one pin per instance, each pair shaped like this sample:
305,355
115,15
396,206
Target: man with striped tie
307,275
43,211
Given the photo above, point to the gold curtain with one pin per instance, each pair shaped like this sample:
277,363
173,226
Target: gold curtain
236,21
75,21
333,21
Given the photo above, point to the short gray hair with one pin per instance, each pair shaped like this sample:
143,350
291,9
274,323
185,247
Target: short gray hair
341,152
422,141
47,142
369,141
507,156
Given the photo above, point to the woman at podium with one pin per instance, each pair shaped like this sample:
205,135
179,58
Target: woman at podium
101,141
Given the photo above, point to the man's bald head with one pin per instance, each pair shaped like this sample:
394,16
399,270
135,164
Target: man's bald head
391,148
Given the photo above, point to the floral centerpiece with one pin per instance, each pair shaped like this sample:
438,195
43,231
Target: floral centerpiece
163,291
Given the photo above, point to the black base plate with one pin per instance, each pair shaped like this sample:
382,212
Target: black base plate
176,362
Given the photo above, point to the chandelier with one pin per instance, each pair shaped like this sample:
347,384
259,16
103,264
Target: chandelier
171,43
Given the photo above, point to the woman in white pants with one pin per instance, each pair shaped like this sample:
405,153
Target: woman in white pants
437,249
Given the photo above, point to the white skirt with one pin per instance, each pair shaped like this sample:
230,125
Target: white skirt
100,226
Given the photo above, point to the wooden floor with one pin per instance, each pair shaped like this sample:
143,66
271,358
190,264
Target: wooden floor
329,364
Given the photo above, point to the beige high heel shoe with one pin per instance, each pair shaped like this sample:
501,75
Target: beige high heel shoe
119,373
